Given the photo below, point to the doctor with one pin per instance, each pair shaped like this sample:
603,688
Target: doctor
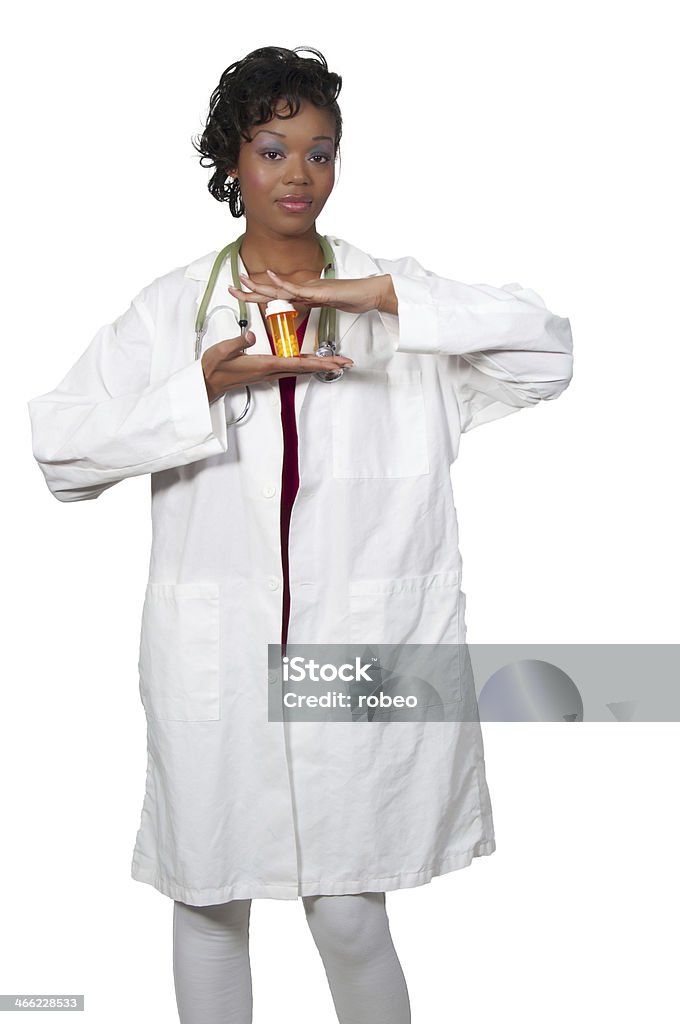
237,806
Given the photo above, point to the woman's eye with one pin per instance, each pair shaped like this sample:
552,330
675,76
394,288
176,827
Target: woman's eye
315,157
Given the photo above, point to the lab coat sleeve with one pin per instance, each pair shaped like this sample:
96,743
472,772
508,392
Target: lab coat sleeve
106,421
500,349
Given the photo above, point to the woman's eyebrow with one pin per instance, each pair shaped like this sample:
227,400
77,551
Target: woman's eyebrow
268,131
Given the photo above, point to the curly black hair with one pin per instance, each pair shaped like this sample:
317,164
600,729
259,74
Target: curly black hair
248,94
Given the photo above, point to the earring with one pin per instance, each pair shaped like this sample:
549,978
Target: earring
233,189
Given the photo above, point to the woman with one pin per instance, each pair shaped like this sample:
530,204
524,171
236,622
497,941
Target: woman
324,515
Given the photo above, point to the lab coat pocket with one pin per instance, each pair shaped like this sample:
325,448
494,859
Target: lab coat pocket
416,610
179,652
378,424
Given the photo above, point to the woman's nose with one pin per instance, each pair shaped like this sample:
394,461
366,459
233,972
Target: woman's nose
297,171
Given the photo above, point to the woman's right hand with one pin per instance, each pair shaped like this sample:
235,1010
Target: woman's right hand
225,365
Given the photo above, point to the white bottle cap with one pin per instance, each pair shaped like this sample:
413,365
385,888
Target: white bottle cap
279,306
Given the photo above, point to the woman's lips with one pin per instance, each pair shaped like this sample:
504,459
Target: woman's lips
294,206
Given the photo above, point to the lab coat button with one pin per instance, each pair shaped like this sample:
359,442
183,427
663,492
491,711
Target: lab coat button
273,583
269,492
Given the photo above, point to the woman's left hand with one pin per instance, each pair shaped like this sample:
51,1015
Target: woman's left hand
351,295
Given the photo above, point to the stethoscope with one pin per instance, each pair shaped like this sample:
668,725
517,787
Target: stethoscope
327,318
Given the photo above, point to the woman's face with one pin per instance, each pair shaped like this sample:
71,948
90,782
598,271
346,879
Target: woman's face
293,156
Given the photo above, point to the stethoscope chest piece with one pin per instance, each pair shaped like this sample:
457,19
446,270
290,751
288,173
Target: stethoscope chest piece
327,349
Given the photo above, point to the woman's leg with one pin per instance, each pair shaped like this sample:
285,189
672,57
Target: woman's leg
352,935
211,963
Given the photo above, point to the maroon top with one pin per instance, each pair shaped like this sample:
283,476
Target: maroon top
290,479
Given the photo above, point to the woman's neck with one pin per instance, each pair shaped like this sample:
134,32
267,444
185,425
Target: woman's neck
284,257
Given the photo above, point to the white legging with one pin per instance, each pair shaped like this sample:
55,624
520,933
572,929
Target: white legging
211,960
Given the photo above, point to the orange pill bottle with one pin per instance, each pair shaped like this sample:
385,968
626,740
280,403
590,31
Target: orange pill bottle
281,316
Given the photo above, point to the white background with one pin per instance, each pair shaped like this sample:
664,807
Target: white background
529,142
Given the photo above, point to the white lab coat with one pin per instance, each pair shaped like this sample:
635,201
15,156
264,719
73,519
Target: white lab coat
237,806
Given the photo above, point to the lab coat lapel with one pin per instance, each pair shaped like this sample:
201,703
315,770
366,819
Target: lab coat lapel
200,270
349,262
